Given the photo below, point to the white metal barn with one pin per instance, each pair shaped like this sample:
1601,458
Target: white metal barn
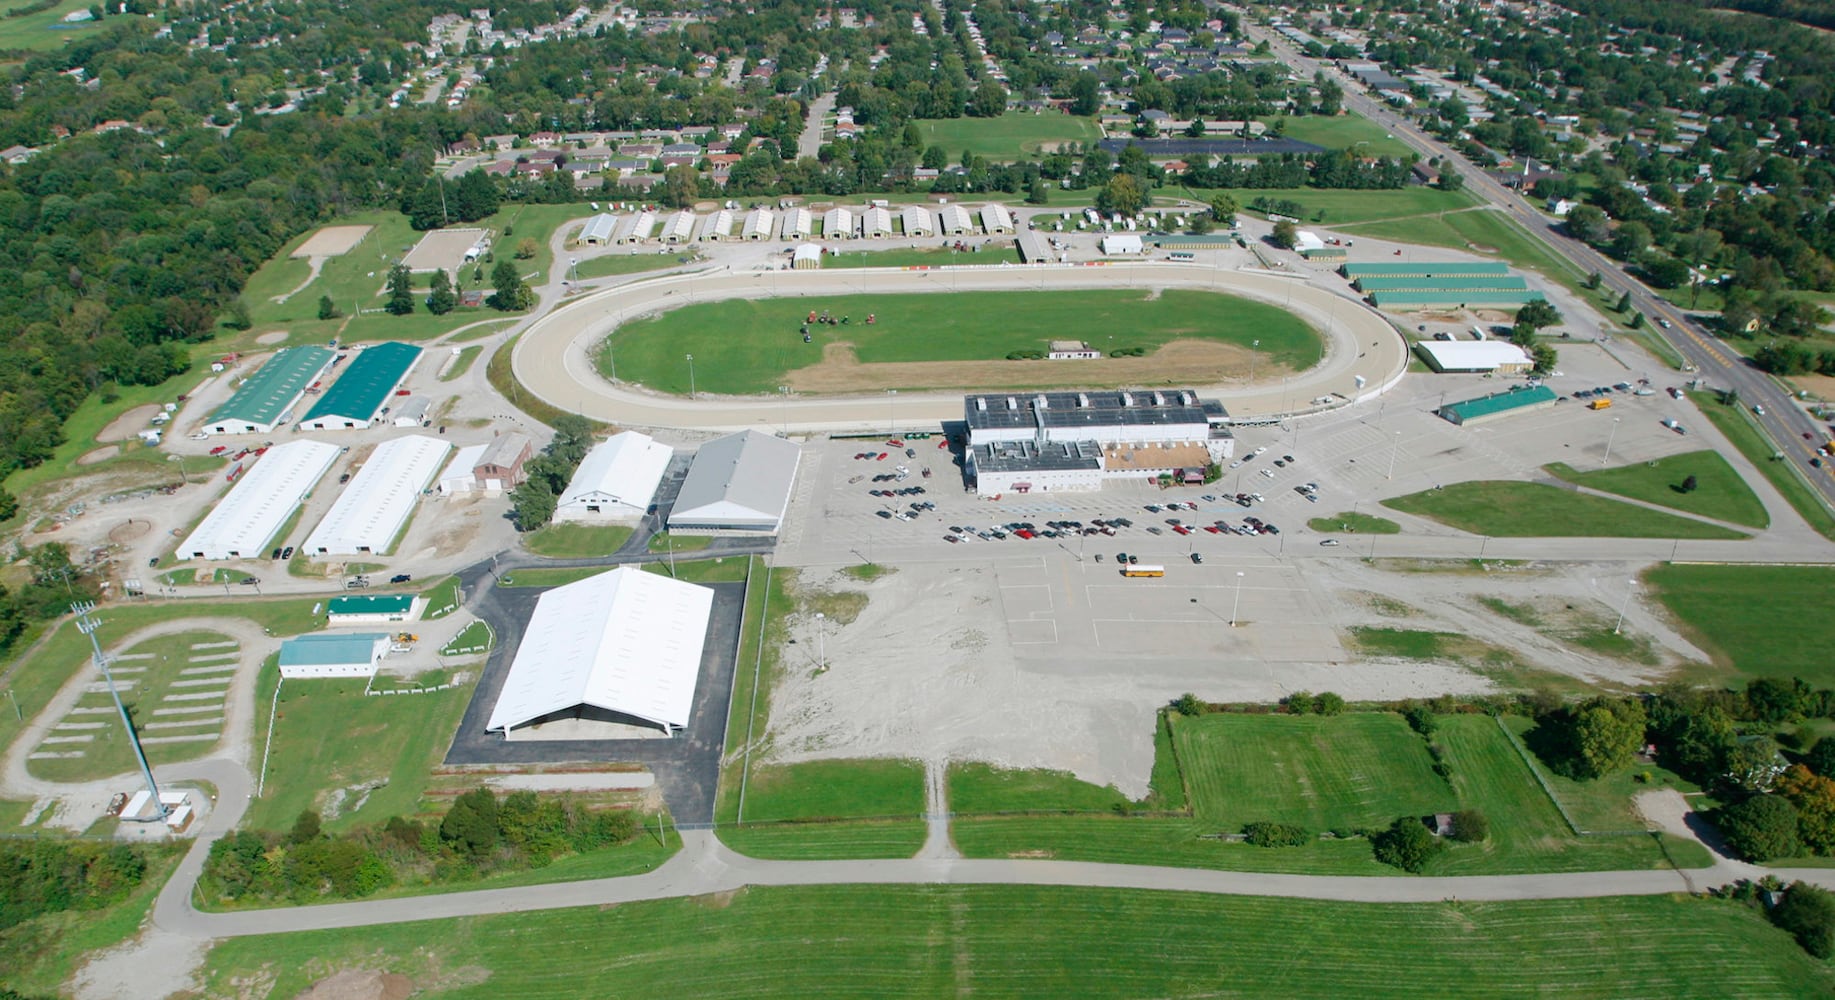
460,475
740,482
876,223
806,257
838,223
598,230
642,226
917,221
248,516
615,480
798,225
620,647
758,224
373,508
953,220
996,220
679,228
412,412
716,227
1122,243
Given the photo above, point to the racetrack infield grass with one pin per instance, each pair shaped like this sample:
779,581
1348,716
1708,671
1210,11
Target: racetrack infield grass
1505,509
962,327
1756,621
1016,135
933,941
828,809
1719,491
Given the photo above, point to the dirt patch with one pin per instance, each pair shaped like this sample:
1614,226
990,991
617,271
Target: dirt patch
102,454
128,424
1819,386
360,984
121,534
271,337
1181,362
332,241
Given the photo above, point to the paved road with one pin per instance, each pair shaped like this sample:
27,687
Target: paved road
1719,366
809,143
554,358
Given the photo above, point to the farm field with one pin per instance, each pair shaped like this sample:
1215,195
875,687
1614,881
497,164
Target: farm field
1013,136
1757,621
928,941
828,809
1720,493
1758,449
975,326
1536,510
1343,132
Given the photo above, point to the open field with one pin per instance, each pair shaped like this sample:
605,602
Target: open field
373,755
918,328
930,941
1343,132
46,30
1758,621
1536,510
981,789
829,809
1720,493
611,265
577,541
1343,208
1482,231
1368,524
1603,805
1758,448
927,256
461,363
1013,136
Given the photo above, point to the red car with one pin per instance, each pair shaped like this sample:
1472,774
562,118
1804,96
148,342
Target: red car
219,449
1213,529
1023,533
882,456
1181,529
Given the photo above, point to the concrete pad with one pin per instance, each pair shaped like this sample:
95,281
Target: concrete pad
201,682
197,738
206,696
216,720
194,710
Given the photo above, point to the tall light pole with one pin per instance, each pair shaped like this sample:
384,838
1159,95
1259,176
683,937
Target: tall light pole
1630,588
1254,349
1609,436
87,624
1236,604
821,637
691,392
1394,448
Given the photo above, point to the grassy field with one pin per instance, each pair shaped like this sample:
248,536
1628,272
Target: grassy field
473,640
919,327
830,809
1483,231
1344,131
1368,524
1536,510
666,542
1720,493
46,30
612,264
329,738
1758,448
930,941
921,257
979,789
1603,805
461,364
577,541
1757,621
1342,208
1013,136
39,956
442,598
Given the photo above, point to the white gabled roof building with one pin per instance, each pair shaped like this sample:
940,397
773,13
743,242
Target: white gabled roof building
716,227
917,221
247,517
679,228
953,220
460,475
372,509
798,224
740,482
838,224
996,219
618,647
758,224
598,229
617,479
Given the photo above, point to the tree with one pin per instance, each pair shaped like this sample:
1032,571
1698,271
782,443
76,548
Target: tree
1814,797
401,291
990,100
1753,764
1199,223
1759,828
1085,94
1624,301
935,158
470,823
1821,758
441,299
1451,180
1807,913
1470,826
1665,272
681,186
1630,240
1690,484
1328,703
1407,844
1607,732
511,294
527,248
1036,193
1593,281
1123,194
1195,128
1538,314
328,309
305,828
1191,705
474,197
9,505
1587,224
532,504
1286,234
1224,209
236,317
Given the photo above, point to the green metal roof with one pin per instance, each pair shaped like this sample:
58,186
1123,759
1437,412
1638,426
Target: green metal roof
1404,300
1196,241
1497,402
366,384
1315,253
373,604
265,395
326,650
1480,283
1425,268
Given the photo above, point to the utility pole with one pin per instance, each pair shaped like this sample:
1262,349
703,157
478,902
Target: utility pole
87,624
1630,588
691,392
1609,436
1236,604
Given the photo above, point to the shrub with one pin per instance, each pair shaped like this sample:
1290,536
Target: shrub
1470,826
1420,719
1407,845
1807,912
1821,758
1299,703
1188,705
1760,828
1328,703
1276,835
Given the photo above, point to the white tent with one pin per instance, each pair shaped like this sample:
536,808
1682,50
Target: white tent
954,220
838,223
917,221
373,508
243,521
758,224
996,219
798,224
460,476
616,479
679,228
740,482
627,642
598,229
876,223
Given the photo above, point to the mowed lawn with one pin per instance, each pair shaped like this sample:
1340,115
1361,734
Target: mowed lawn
1537,510
46,30
747,345
1343,132
1015,135
1483,231
1344,207
577,541
924,256
1719,491
1759,449
978,789
937,941
828,809
1758,621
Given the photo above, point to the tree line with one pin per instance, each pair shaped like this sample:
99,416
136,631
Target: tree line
50,875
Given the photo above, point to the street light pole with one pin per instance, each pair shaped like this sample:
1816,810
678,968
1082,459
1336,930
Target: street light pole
1630,587
821,640
1236,604
1609,436
1394,447
1254,349
691,393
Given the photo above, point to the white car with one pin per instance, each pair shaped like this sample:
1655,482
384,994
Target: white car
1267,473
1261,449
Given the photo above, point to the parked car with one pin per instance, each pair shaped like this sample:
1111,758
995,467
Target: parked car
402,578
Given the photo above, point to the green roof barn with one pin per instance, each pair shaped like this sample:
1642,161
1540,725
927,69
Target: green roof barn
1520,399
364,388
266,396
